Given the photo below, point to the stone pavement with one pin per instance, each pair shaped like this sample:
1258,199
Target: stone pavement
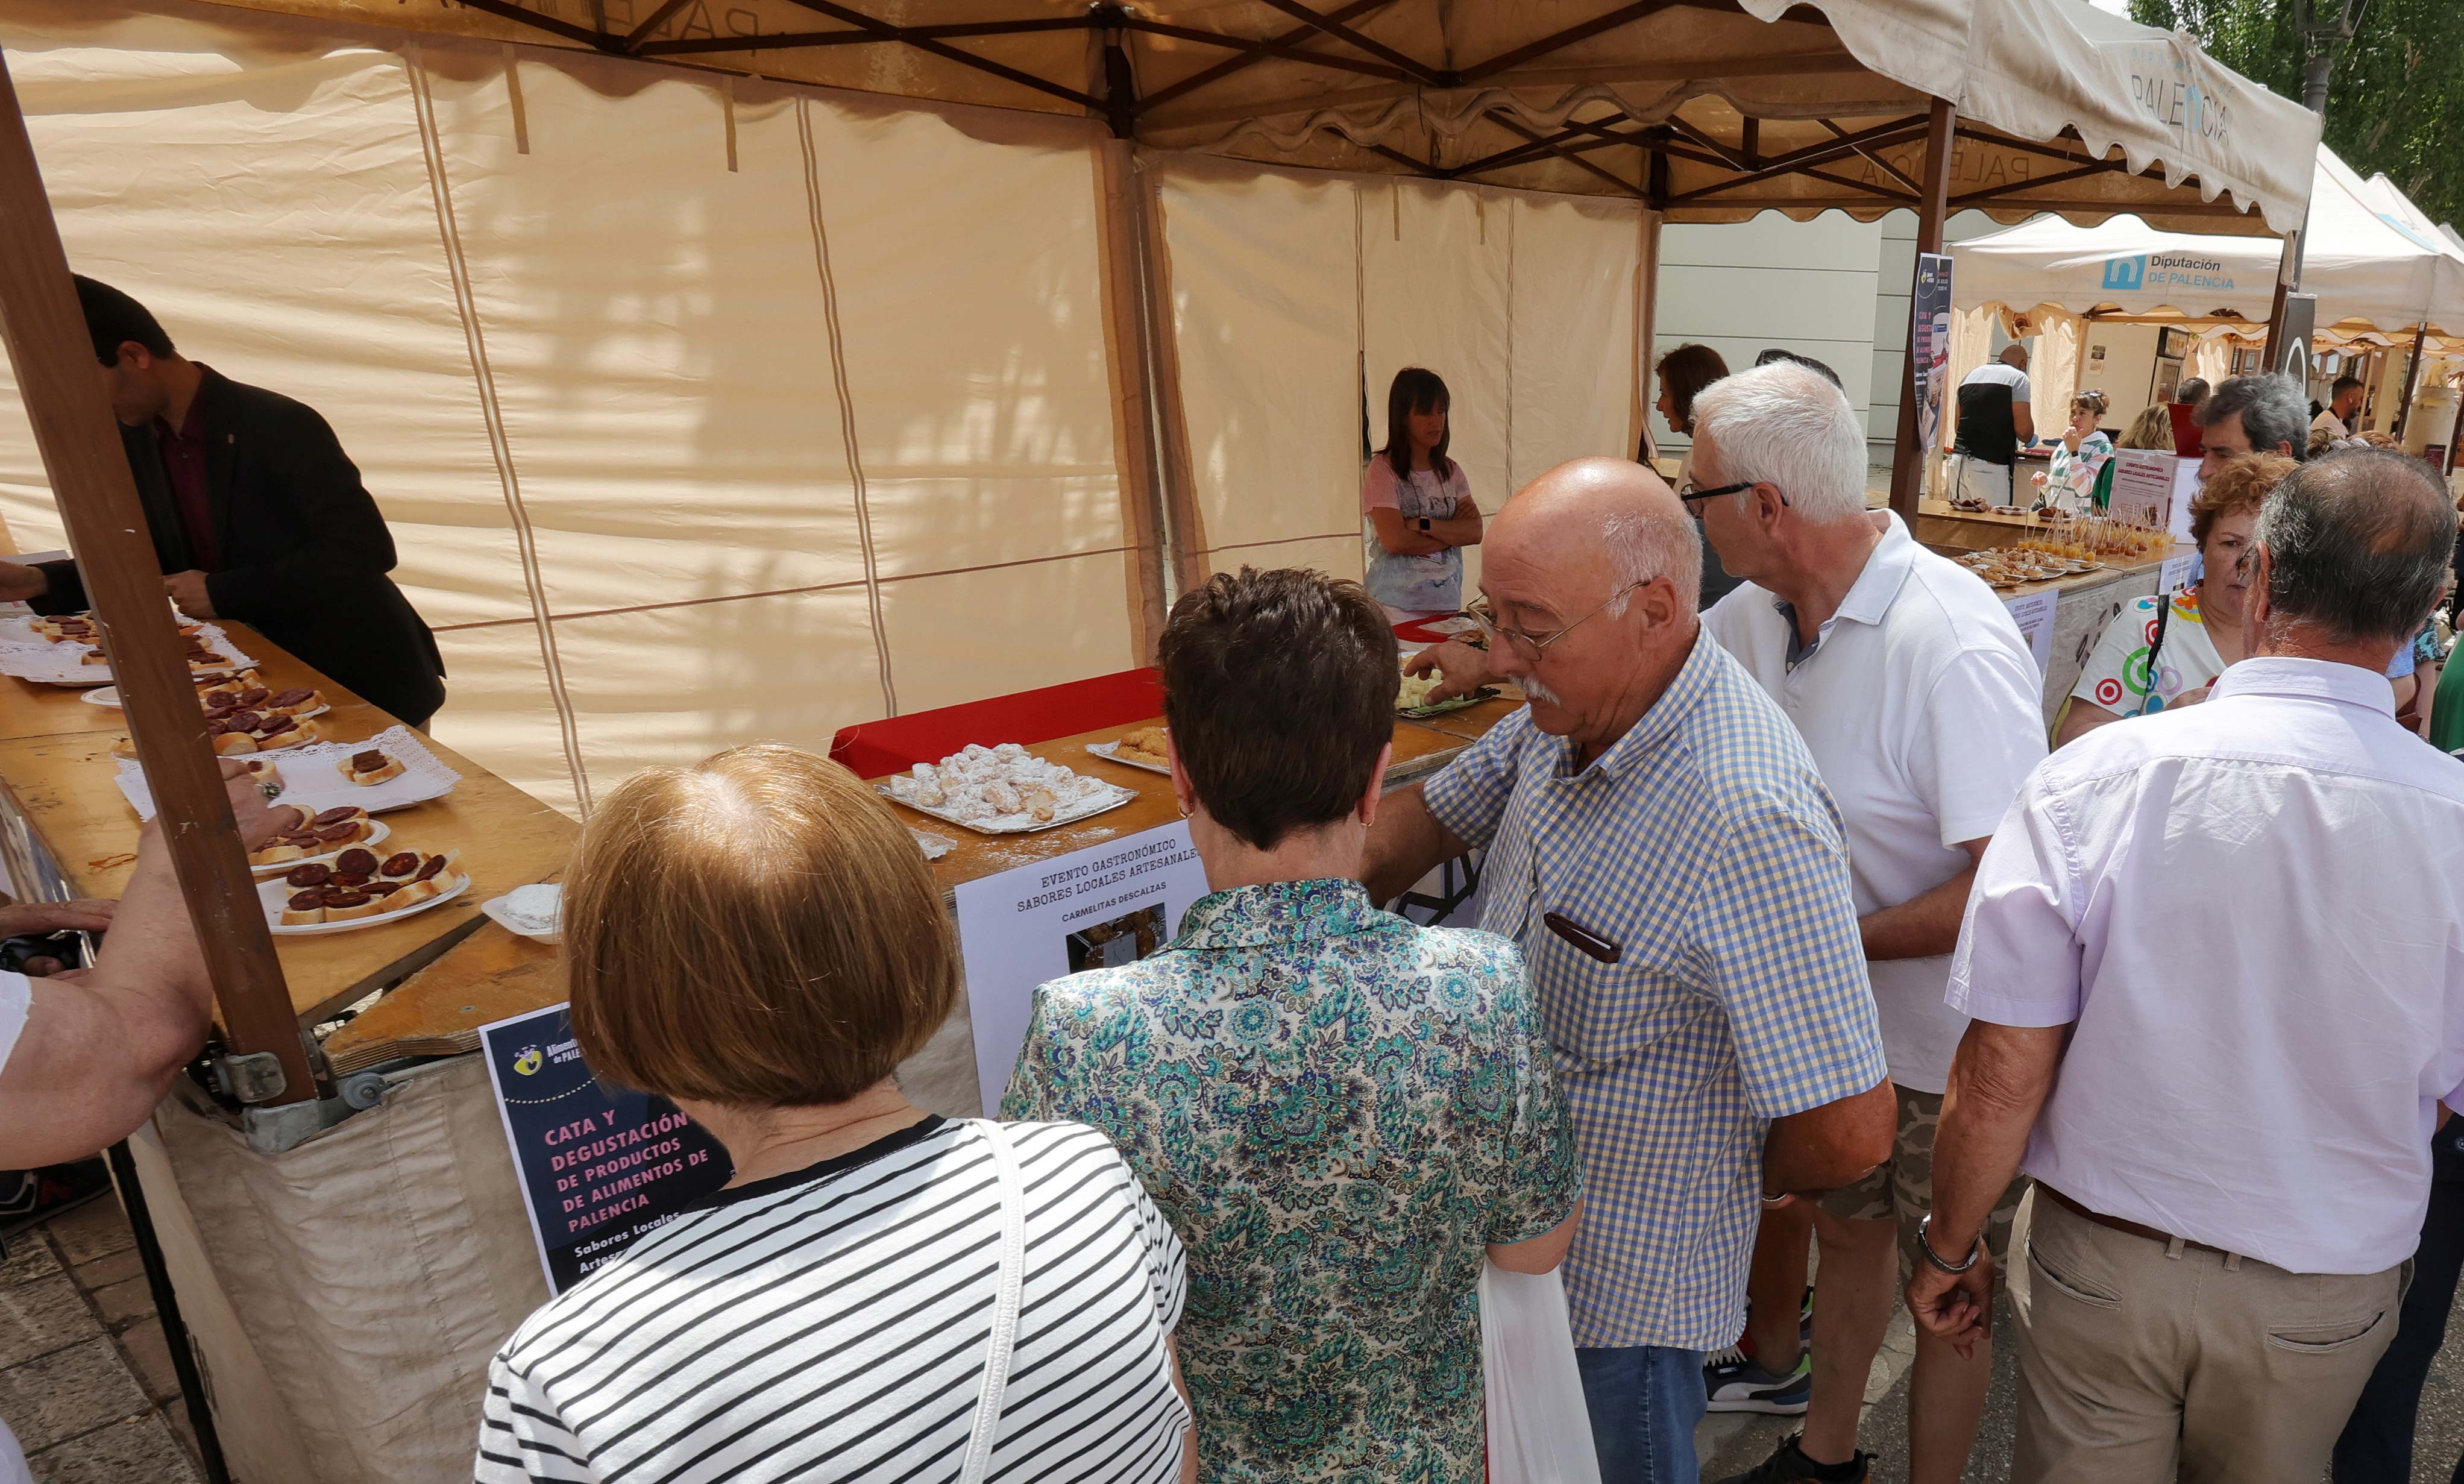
85,1379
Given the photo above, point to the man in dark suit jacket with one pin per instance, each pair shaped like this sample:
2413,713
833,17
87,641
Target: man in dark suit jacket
256,514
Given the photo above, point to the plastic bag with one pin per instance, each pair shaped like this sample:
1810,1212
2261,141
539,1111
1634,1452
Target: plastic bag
1539,1430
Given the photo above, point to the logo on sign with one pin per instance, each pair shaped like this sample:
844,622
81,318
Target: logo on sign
2126,274
528,1062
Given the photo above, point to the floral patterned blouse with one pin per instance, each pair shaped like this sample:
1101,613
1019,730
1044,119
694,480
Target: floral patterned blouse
1337,1111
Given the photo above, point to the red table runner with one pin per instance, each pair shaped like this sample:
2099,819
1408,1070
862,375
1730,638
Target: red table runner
870,749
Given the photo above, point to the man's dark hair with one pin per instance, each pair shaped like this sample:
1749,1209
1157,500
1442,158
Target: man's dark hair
2358,543
1280,691
113,319
2271,409
2191,393
2344,384
1774,353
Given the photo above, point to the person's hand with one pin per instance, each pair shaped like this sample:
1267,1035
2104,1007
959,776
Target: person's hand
2037,478
1466,668
19,581
1956,1308
25,920
188,589
258,819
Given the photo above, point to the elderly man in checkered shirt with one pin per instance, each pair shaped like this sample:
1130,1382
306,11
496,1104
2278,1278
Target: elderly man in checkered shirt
1662,848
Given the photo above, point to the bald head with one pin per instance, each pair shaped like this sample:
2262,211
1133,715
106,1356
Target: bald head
1595,525
2358,544
2015,354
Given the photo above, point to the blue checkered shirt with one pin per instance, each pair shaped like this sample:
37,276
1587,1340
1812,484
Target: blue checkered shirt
1701,843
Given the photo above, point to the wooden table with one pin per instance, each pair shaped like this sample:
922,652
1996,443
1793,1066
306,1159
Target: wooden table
493,976
56,766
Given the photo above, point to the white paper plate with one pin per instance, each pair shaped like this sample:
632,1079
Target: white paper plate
311,780
1113,797
1110,752
493,909
109,696
273,894
29,656
378,831
933,845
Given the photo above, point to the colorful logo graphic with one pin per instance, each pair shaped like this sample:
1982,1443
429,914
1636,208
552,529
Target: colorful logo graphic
528,1062
2126,274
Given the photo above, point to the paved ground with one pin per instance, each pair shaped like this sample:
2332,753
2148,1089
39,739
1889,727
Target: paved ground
85,1380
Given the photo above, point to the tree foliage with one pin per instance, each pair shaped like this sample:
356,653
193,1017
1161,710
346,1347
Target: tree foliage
2396,101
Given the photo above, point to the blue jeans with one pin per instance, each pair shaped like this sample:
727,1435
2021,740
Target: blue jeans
1644,1401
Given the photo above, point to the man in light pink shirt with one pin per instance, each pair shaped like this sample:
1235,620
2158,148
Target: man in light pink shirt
2215,965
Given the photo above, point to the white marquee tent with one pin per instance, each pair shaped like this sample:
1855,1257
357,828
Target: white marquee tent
709,406
2370,256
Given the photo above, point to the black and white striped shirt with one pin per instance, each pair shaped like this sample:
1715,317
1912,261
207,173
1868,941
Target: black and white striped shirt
832,1324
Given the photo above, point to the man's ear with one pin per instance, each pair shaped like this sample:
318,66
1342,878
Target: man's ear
135,357
1657,598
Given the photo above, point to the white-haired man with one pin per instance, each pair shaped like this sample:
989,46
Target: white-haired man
1661,850
1922,707
2226,1104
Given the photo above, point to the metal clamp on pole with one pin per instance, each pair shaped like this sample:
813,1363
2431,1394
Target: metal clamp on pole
250,1077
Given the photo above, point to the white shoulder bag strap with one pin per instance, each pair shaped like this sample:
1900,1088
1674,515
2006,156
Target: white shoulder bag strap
1012,1273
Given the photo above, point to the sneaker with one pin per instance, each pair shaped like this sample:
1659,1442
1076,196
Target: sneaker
1737,1385
30,1197
1787,1464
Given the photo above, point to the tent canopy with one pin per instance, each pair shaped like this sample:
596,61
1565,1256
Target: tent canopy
1707,110
2372,258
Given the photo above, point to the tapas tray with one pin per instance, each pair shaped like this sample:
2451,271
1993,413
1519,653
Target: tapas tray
378,832
1110,752
1109,797
273,894
1441,708
311,780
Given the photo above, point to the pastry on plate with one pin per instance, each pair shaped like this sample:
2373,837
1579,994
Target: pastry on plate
1145,744
370,768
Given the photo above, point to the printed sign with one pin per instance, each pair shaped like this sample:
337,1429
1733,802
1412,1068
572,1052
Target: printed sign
1930,344
1108,904
2142,486
2177,574
600,1168
2161,273
2034,613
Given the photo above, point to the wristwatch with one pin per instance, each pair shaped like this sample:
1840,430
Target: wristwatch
1424,523
1925,1231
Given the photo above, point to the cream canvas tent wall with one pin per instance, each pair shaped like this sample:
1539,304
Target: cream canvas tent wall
707,407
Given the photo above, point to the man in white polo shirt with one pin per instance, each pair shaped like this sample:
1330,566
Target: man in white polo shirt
2213,958
1922,708
85,1056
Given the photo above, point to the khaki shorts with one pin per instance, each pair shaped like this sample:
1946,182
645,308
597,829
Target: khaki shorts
1901,1188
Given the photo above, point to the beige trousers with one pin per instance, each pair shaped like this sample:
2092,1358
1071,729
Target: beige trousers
2137,1361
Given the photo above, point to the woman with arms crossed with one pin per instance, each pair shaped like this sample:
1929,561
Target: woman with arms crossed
1417,504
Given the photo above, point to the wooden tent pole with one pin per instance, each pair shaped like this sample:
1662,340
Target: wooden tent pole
1908,462
1128,348
63,392
2412,381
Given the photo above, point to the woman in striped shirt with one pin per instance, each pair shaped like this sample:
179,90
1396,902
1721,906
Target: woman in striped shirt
878,1294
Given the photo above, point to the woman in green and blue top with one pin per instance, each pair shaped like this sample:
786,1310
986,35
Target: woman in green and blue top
2163,652
1417,504
2071,481
1342,1114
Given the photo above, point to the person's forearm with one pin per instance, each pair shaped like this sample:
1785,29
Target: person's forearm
1999,1082
1406,844
151,952
1925,926
1457,530
2082,719
1832,1145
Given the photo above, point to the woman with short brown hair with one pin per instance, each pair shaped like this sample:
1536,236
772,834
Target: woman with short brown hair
1342,1112
757,939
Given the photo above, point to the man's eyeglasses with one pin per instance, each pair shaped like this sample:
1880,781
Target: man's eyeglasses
1529,645
1688,493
